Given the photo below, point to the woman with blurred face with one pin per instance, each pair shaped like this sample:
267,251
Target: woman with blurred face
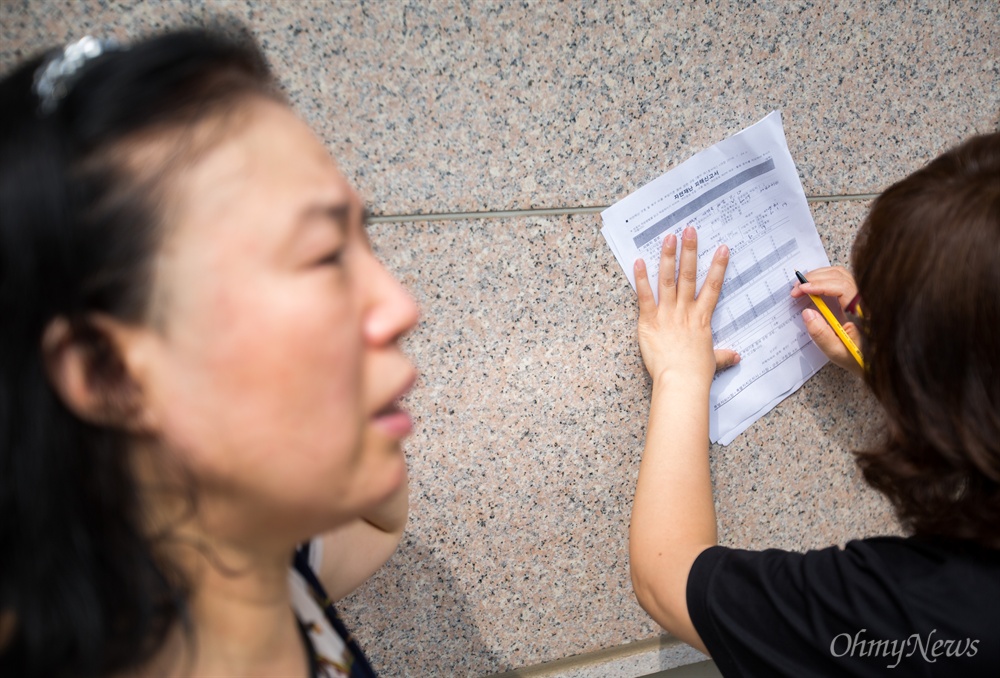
201,372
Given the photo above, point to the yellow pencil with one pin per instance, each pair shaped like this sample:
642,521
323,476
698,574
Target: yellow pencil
834,323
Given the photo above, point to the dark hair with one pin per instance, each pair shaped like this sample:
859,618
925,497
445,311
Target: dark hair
927,261
81,592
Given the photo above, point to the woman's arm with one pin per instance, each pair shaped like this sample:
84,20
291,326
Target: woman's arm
673,515
353,552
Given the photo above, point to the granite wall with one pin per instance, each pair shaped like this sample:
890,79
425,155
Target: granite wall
530,410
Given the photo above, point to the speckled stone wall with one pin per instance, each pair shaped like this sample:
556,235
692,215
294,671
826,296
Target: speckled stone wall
530,410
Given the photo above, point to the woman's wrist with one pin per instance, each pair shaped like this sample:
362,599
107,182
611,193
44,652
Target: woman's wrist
691,380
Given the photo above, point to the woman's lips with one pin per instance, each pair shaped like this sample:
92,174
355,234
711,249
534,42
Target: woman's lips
394,421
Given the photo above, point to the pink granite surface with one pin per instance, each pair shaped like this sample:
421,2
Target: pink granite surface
531,406
450,106
530,421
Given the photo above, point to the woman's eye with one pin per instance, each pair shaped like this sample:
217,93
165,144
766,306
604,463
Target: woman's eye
334,258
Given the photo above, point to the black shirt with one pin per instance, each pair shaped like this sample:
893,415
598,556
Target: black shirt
882,606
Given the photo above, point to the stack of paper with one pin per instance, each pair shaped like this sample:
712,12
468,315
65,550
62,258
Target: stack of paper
743,192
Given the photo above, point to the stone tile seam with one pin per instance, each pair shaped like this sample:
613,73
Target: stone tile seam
557,667
560,211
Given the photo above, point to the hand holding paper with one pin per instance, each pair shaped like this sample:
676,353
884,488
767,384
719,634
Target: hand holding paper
675,334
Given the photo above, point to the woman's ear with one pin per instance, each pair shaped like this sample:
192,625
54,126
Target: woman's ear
92,365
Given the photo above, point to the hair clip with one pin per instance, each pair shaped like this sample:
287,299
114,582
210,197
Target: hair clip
54,78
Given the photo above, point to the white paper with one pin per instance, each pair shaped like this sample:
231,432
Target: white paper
744,192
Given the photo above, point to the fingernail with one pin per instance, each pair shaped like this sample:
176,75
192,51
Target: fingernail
640,265
671,240
722,252
736,360
689,233
808,315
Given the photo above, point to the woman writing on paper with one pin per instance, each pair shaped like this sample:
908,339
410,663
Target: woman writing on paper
927,264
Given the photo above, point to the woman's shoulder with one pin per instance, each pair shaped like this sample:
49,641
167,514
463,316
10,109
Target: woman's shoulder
924,553
908,564
884,568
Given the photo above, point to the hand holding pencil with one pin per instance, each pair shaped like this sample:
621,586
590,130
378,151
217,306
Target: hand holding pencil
832,281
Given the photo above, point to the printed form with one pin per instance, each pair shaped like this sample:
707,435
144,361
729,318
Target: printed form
744,192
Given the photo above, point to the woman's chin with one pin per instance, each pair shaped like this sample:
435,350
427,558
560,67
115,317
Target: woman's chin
392,472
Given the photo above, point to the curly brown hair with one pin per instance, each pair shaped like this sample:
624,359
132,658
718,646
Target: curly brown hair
927,261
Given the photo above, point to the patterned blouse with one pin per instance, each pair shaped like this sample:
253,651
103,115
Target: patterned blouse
333,652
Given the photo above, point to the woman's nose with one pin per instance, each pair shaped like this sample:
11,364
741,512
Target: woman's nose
393,311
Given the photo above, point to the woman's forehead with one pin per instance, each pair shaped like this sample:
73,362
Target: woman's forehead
260,178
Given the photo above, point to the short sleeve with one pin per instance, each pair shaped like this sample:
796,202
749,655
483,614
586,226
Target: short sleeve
778,613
